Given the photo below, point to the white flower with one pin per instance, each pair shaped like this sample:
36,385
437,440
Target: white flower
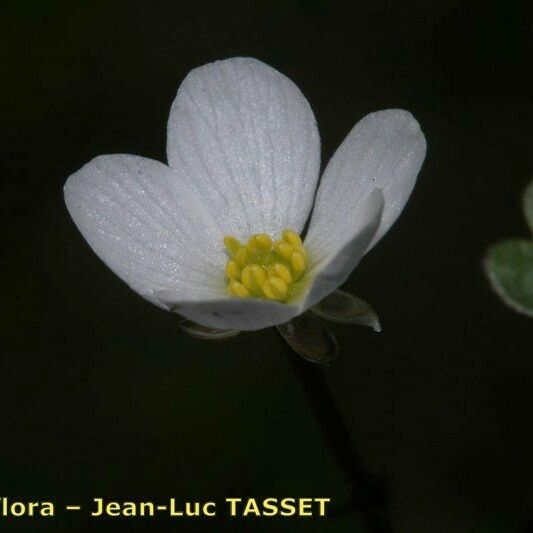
243,158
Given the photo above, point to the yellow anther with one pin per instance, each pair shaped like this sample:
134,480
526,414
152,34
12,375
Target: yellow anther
302,250
275,288
262,241
262,268
292,238
238,289
252,249
253,277
242,256
281,271
298,262
232,270
284,250
232,245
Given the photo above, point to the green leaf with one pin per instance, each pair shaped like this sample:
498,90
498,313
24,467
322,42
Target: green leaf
527,203
345,308
509,267
197,331
311,338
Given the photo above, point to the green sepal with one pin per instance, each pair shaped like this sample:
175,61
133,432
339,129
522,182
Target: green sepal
345,308
527,205
509,267
311,338
197,331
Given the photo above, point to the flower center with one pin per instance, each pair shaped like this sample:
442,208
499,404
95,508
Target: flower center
263,268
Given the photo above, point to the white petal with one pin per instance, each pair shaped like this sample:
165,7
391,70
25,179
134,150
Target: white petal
384,150
144,223
332,264
246,139
230,313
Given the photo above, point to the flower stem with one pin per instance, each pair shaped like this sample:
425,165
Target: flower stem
368,495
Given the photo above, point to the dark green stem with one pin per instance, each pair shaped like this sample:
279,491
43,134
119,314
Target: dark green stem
368,495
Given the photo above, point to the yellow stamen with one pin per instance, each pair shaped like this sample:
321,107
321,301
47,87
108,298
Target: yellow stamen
263,268
284,250
292,238
281,271
238,289
275,288
232,270
232,245
298,262
253,277
262,242
241,257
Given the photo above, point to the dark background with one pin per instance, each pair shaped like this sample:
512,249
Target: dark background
100,392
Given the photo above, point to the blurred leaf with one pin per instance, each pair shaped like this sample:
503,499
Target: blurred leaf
197,331
509,267
527,202
345,308
311,338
